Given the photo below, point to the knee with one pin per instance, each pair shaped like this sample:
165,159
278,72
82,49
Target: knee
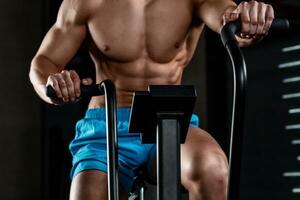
206,169
215,166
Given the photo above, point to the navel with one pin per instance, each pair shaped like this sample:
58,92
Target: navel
106,48
177,45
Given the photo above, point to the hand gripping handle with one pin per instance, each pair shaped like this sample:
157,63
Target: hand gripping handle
85,91
228,32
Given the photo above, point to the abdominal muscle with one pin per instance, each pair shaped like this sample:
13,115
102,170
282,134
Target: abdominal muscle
142,70
136,76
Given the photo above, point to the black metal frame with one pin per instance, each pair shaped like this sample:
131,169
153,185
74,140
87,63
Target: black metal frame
168,156
168,160
238,108
106,88
111,138
152,113
239,94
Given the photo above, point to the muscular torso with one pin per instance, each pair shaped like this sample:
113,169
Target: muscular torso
136,43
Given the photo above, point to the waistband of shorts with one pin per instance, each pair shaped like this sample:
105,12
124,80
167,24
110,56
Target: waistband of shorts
123,113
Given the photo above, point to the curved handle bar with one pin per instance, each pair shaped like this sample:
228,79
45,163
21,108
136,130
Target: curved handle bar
228,32
108,89
111,137
85,91
240,80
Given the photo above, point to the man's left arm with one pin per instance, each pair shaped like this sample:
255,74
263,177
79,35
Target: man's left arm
256,17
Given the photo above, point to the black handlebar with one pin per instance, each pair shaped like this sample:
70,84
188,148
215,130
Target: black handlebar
240,80
106,88
85,91
228,32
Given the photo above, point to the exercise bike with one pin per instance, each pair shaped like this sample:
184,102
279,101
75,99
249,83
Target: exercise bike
166,124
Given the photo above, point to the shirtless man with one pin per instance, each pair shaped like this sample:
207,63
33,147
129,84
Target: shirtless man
135,44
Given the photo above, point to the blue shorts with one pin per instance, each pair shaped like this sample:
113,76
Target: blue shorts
89,146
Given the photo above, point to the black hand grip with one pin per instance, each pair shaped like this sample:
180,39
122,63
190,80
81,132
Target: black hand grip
86,91
228,32
280,25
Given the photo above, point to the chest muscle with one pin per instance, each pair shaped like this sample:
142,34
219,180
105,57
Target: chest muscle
130,29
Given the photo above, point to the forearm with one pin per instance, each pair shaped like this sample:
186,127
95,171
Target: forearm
212,12
41,68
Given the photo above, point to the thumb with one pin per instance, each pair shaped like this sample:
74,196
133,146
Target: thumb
231,15
87,81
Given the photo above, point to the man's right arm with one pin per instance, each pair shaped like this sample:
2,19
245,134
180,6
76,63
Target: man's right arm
58,47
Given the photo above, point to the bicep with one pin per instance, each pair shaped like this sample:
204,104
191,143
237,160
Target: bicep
60,45
64,38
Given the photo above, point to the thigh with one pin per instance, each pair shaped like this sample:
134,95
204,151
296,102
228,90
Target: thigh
198,142
200,153
91,185
200,148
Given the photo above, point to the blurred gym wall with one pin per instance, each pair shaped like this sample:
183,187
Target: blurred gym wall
20,119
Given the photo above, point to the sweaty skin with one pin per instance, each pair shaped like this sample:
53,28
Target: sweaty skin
136,43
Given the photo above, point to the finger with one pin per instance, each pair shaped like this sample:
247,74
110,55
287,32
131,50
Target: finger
63,87
234,16
256,38
245,42
253,17
76,81
87,81
54,84
231,16
269,18
245,18
70,85
261,18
